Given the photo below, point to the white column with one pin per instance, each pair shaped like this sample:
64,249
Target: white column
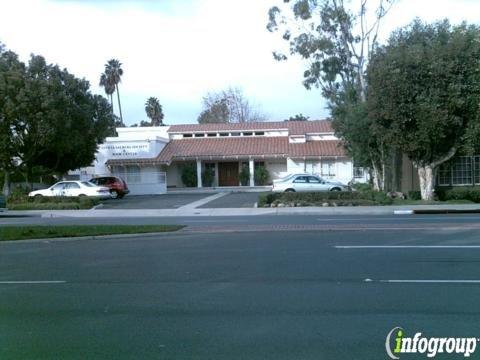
251,169
199,173
216,174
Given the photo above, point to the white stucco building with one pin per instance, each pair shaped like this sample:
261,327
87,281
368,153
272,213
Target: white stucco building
151,159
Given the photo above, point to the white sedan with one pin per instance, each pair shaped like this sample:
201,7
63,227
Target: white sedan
73,188
307,183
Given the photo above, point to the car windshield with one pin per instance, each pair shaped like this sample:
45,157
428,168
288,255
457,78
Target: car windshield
87,183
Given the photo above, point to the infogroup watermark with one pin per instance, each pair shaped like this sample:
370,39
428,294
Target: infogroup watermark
397,344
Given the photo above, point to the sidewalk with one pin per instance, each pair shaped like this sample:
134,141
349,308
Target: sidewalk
191,211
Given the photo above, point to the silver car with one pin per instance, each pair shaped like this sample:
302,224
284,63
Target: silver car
307,183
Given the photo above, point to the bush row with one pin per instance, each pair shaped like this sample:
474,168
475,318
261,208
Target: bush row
460,193
23,202
315,198
50,206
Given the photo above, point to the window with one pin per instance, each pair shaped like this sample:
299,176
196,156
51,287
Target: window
462,171
258,164
59,186
247,134
328,168
476,170
212,134
314,180
199,135
224,134
301,179
187,135
259,133
235,134
445,174
72,186
358,172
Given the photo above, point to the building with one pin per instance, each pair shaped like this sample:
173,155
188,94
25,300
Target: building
151,159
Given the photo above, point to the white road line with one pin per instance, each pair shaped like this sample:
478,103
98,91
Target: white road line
33,282
408,247
426,281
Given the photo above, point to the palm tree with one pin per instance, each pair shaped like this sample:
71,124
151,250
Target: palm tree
154,111
108,87
114,72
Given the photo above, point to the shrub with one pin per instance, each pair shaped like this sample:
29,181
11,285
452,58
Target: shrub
261,175
317,198
463,193
362,187
415,195
189,176
244,176
207,177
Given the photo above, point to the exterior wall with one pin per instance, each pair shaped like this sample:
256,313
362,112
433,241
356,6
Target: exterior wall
143,180
342,168
174,175
276,168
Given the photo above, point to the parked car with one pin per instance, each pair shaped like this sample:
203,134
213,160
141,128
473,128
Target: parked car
73,188
118,187
307,183
3,203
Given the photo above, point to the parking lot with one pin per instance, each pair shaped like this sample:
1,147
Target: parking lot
175,201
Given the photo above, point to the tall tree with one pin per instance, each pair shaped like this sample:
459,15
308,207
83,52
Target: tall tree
229,105
424,91
108,87
336,43
114,73
154,111
49,120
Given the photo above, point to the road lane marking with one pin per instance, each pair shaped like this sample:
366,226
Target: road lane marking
426,281
33,282
408,247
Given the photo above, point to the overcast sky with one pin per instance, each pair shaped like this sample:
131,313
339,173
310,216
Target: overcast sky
177,50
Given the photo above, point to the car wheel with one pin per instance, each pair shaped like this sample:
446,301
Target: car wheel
290,190
336,189
114,194
82,195
38,196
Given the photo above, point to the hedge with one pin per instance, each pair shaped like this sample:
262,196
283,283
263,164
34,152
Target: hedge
22,202
317,198
459,193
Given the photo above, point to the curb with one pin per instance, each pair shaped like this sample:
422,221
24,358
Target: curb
96,237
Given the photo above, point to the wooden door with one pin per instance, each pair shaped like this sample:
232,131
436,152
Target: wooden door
228,174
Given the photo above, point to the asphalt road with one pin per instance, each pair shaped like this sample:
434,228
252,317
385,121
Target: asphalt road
165,201
269,295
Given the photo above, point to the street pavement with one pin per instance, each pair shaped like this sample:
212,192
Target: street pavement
332,294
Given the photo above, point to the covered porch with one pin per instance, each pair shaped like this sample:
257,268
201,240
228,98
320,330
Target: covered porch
225,172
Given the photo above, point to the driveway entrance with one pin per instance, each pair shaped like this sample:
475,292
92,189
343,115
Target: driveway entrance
228,174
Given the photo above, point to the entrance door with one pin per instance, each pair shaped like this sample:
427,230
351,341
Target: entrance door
228,174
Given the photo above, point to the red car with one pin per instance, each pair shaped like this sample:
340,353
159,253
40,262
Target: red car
118,187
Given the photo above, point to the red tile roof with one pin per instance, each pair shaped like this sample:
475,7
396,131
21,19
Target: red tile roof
294,127
243,147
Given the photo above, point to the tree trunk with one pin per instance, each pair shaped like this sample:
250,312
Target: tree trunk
6,183
119,105
377,178
426,177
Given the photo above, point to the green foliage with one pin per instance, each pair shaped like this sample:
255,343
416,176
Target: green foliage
49,120
208,175
189,175
244,176
414,195
424,89
261,175
154,111
216,113
318,198
362,187
19,201
298,117
460,193
43,232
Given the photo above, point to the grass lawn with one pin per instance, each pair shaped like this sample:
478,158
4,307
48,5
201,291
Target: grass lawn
43,232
